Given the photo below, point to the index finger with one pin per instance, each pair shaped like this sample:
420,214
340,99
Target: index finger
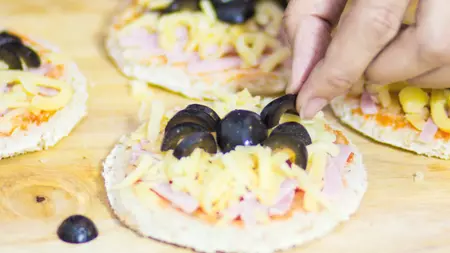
368,28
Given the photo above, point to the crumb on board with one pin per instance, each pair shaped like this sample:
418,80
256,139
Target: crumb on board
418,176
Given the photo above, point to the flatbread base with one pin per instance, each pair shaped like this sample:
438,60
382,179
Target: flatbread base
58,126
405,138
164,223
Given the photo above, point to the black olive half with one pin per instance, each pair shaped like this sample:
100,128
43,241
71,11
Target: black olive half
201,140
174,135
293,129
178,5
240,128
6,38
294,145
27,54
205,109
234,11
77,229
194,116
271,114
283,3
10,58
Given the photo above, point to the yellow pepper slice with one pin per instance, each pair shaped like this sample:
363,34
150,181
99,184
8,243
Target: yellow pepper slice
438,110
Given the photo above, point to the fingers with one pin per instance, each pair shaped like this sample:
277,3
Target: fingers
418,49
437,79
369,26
308,26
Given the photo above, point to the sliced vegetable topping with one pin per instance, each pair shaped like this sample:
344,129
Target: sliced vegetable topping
293,145
240,128
293,129
12,50
272,113
205,109
234,11
202,140
194,116
174,135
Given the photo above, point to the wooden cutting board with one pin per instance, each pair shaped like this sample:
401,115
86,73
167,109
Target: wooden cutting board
397,214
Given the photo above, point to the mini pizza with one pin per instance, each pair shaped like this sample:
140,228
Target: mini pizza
202,49
42,95
234,176
404,116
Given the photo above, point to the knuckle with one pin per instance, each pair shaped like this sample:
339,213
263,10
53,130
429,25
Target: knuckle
383,22
339,81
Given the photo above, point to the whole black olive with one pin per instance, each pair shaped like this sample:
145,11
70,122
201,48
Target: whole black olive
205,109
240,128
30,57
292,144
178,5
6,38
293,129
234,11
202,140
194,116
77,229
271,114
173,136
10,58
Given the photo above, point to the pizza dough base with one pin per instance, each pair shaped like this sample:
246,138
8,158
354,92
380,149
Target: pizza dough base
166,224
58,126
179,81
405,138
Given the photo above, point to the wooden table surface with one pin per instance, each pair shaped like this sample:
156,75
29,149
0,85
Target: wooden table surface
396,215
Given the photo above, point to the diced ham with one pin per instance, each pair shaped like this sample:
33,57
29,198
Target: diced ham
137,151
182,57
42,70
285,198
4,112
182,200
49,92
428,131
368,106
250,207
333,178
208,66
140,38
4,88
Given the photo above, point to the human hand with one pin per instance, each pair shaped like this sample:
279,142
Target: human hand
325,67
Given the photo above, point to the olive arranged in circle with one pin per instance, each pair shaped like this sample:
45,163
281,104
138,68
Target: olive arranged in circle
205,109
234,11
293,129
178,5
175,134
30,57
292,144
10,58
202,140
271,114
77,229
194,116
240,128
6,38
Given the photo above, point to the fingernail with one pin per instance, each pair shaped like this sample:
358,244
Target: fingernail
312,107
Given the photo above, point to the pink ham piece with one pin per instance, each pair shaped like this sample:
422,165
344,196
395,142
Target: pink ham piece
182,200
249,209
140,38
4,112
429,131
285,198
208,66
368,106
137,151
42,70
333,178
49,92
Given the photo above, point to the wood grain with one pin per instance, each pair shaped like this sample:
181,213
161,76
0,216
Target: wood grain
397,214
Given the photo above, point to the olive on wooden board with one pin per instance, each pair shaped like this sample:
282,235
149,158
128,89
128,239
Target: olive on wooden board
292,144
272,112
77,229
202,140
189,115
293,129
240,128
175,134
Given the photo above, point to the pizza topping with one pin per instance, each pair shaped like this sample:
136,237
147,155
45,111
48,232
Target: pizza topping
271,114
293,129
194,116
292,145
333,180
240,128
13,51
253,183
439,103
175,134
429,131
251,44
368,106
201,140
